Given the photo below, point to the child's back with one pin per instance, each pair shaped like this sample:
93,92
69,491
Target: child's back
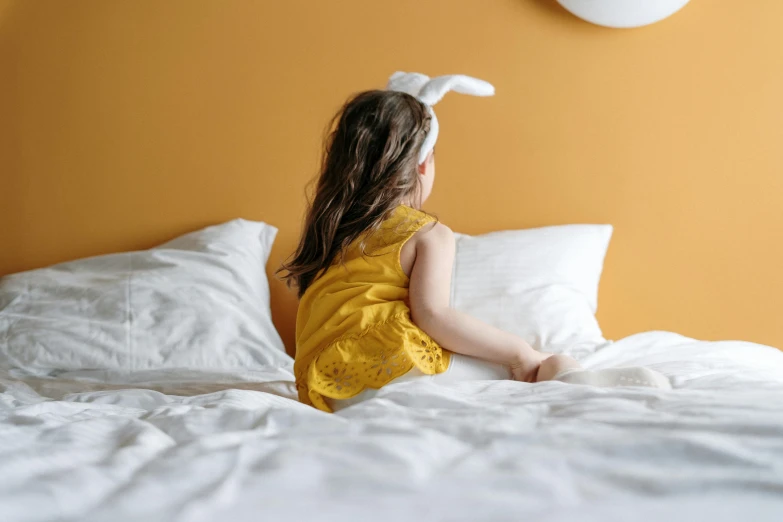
354,329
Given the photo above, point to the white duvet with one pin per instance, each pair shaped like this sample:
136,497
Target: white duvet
186,446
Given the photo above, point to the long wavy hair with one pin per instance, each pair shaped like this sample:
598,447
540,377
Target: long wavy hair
369,167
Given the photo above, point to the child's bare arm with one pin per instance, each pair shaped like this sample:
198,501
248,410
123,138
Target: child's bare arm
430,288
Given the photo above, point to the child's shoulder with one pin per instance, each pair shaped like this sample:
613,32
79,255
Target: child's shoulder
435,232
433,240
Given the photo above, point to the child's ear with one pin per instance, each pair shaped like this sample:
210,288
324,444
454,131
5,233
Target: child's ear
423,167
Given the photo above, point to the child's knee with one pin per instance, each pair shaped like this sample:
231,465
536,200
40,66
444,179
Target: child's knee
555,364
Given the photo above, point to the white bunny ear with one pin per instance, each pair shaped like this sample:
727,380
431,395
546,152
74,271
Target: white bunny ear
430,91
410,83
434,90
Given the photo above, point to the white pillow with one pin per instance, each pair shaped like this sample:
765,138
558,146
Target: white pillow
199,301
541,284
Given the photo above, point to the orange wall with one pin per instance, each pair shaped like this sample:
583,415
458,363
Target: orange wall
124,123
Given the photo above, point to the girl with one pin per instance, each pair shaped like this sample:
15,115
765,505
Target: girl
373,271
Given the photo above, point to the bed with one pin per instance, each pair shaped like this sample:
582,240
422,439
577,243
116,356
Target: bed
97,425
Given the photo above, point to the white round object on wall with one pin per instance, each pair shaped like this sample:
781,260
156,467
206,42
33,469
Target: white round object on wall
623,13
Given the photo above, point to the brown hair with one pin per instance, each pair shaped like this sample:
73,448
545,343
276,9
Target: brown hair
369,167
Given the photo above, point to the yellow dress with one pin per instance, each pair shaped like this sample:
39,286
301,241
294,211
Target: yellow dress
353,327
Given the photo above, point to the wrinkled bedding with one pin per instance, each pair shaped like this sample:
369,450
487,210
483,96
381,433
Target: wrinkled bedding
236,446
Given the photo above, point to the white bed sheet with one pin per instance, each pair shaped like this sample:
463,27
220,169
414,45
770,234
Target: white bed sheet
190,446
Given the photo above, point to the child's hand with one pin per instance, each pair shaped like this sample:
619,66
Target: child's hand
525,369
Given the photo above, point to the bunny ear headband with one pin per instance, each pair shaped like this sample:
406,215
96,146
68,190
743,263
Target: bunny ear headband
430,91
